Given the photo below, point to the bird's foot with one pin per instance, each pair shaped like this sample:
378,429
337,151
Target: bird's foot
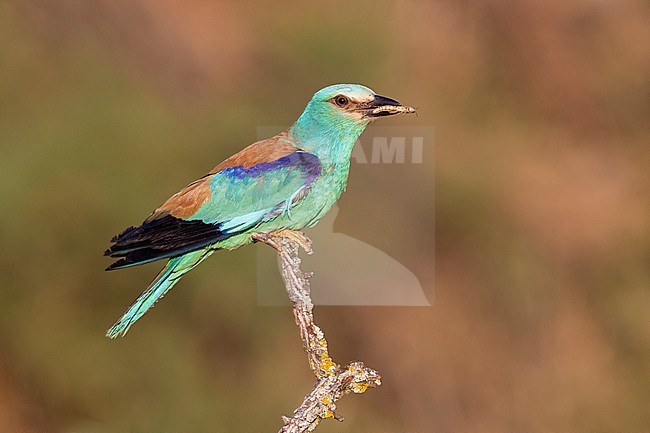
274,239
266,239
296,236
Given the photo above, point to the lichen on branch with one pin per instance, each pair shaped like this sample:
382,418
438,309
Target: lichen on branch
333,381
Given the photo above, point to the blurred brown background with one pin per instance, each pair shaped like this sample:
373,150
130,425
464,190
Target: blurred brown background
539,321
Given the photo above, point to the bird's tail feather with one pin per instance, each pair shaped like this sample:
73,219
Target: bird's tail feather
174,269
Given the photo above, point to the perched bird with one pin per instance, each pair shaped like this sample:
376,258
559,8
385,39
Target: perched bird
288,181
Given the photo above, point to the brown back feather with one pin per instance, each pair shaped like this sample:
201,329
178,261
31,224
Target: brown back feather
187,201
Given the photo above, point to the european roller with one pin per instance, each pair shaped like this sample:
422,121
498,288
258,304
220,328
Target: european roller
286,182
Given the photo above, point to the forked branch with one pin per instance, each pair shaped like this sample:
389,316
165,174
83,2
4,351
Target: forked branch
333,381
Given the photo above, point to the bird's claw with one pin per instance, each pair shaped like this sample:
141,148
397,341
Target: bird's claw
266,239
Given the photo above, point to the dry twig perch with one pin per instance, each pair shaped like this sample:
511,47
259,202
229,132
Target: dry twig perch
333,380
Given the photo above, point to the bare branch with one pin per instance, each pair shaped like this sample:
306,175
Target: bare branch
333,380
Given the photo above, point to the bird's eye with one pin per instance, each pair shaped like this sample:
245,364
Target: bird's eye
341,100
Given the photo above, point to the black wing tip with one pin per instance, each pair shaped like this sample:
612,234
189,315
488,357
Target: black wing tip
161,238
126,231
117,265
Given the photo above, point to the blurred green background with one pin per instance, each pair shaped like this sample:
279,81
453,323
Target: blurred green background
540,316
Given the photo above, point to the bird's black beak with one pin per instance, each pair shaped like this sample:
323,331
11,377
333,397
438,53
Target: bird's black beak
382,106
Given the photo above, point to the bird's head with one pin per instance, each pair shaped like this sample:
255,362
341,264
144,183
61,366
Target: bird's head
353,103
337,115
